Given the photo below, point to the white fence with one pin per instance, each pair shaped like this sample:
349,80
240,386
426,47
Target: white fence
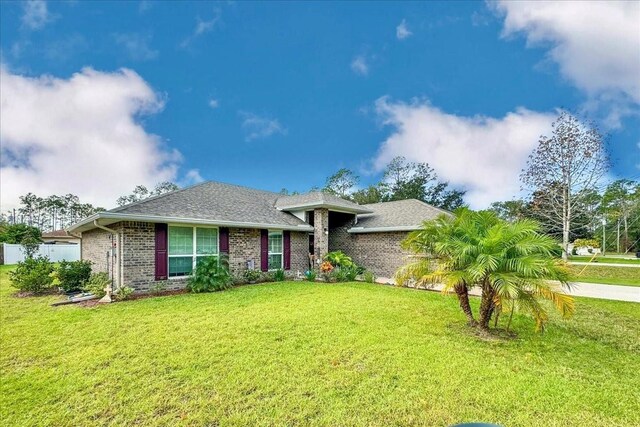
15,253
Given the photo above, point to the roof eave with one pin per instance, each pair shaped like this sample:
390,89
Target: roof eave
115,216
362,230
335,208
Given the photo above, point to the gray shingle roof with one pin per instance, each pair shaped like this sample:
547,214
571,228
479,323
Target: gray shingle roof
401,214
215,201
318,199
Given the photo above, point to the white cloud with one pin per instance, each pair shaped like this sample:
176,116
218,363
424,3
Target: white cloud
258,127
359,65
79,135
192,177
202,27
483,155
144,6
595,44
137,46
214,103
36,14
402,30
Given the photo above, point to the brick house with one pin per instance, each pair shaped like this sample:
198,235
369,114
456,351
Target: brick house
162,238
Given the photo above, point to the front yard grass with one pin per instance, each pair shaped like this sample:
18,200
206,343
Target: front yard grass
605,259
625,276
295,353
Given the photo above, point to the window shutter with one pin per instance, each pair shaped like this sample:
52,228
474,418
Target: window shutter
162,242
286,242
264,250
224,240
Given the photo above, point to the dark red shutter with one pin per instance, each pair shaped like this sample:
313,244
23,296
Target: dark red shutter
224,240
264,250
286,241
162,241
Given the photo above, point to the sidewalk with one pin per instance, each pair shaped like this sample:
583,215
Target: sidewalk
578,289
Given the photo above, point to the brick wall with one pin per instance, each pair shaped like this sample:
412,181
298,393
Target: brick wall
377,252
94,246
244,245
299,252
138,252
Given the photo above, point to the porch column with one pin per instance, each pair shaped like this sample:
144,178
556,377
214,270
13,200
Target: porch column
321,232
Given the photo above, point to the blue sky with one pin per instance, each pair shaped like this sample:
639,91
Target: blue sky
274,95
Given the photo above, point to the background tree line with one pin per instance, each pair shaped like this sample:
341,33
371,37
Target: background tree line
59,212
401,180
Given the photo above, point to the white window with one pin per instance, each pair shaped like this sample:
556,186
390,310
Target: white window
275,250
189,245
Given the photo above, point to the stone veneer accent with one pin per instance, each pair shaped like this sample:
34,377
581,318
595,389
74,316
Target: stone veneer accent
378,252
320,239
138,252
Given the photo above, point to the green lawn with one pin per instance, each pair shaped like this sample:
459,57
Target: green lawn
626,276
311,354
605,259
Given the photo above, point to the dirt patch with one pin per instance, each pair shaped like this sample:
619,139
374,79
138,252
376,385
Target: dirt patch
157,294
25,294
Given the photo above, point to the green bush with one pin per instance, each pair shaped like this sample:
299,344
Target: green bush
278,275
582,243
96,284
33,275
158,287
339,275
369,277
252,275
211,275
339,259
123,293
73,274
310,275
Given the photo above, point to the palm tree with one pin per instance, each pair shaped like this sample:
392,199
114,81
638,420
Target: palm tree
512,263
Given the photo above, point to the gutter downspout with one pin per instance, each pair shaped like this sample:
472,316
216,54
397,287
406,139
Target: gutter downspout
109,288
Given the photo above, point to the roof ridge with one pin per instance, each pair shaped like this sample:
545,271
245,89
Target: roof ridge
148,199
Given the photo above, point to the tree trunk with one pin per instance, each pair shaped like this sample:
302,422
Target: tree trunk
463,297
486,306
626,233
618,237
566,223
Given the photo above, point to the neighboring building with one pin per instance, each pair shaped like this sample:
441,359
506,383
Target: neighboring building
60,237
162,237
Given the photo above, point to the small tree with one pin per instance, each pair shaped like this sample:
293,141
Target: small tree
341,182
565,167
33,275
512,263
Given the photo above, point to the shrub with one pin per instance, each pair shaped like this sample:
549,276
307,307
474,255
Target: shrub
73,274
310,275
33,275
211,275
96,284
278,275
339,275
352,272
339,259
123,293
369,277
325,269
158,287
582,243
252,276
